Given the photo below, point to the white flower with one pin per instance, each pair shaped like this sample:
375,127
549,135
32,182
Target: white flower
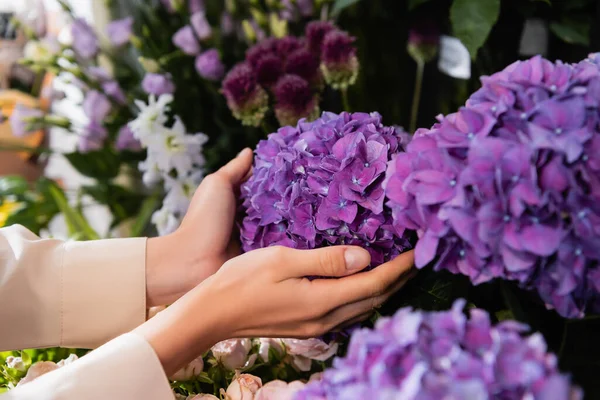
151,173
41,51
173,148
203,397
243,387
151,118
38,369
181,191
68,360
15,363
304,351
166,222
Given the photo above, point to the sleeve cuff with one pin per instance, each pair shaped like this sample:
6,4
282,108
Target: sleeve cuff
103,290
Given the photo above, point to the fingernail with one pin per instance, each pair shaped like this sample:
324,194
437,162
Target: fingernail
355,259
242,152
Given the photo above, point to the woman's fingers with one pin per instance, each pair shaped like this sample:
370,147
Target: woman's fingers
366,285
351,312
333,261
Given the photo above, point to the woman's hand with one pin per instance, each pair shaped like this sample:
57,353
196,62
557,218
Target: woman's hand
264,293
203,243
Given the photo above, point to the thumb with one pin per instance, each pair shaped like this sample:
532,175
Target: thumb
237,169
333,261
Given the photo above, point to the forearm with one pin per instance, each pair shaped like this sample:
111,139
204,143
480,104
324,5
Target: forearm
74,294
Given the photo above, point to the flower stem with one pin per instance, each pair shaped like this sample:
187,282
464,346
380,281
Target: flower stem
417,96
345,102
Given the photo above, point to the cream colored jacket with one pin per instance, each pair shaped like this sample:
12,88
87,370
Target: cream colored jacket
81,295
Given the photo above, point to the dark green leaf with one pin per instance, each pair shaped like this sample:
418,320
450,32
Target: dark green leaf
148,207
473,20
412,4
573,30
103,164
543,1
340,5
76,222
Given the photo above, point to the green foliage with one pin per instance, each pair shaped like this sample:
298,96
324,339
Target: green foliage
340,5
473,20
102,164
573,30
78,226
123,203
412,4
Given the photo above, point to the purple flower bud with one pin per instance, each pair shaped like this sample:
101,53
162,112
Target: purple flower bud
315,33
201,25
85,41
304,64
259,50
96,106
423,41
114,91
196,6
186,40
92,138
287,45
19,124
227,25
247,100
98,73
268,70
126,140
294,100
158,84
119,31
338,59
209,65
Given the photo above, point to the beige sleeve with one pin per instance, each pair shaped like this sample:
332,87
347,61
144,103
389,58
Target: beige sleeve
69,294
124,368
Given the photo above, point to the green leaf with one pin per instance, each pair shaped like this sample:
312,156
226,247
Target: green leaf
543,1
26,357
103,164
122,203
76,222
473,20
148,207
340,5
412,4
573,30
12,186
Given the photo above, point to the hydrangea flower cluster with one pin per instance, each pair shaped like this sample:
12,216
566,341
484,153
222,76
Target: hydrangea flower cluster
293,71
443,355
319,184
174,157
509,186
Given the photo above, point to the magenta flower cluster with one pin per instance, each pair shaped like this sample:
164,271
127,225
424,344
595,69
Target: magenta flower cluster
443,355
293,71
509,186
319,184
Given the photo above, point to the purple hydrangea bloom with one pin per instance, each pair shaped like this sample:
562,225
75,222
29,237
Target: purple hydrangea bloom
509,186
443,355
185,39
319,184
338,59
19,124
209,65
126,140
119,31
196,6
96,106
247,100
294,100
158,84
85,40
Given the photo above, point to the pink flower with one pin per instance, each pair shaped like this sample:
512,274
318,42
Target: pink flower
243,387
189,371
279,390
233,353
304,351
203,397
38,369
266,344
